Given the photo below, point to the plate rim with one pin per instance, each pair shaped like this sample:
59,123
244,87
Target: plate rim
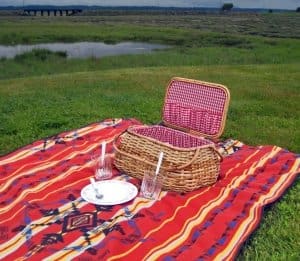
110,203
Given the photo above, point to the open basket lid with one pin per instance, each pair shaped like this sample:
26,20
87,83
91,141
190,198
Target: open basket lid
196,107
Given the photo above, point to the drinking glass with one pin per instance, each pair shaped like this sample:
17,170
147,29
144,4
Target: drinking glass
103,167
151,185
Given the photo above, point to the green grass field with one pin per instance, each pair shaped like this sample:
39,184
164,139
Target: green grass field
44,93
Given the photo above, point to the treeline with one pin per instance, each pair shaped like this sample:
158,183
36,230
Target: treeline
225,7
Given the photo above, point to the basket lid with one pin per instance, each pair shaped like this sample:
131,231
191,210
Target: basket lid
195,106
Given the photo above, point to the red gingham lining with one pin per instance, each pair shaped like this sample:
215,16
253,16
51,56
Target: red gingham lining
195,106
173,137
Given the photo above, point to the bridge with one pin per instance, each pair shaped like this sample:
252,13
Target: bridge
53,11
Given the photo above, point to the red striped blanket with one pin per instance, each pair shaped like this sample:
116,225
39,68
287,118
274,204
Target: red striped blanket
42,215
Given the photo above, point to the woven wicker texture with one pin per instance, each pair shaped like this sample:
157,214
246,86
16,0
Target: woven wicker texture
190,162
196,106
172,137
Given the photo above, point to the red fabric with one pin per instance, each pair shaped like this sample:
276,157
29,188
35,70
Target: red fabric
194,105
42,215
173,137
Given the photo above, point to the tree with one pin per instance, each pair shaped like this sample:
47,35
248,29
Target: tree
227,7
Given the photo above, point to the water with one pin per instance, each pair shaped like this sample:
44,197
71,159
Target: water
83,49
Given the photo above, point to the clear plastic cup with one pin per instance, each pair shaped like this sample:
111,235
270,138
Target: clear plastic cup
103,168
151,185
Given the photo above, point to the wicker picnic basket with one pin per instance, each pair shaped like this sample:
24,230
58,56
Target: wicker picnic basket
194,114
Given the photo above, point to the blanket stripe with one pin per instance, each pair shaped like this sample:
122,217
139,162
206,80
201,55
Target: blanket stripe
43,217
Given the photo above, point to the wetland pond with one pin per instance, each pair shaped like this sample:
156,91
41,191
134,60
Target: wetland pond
83,49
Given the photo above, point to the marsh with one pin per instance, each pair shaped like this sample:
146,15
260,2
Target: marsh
83,49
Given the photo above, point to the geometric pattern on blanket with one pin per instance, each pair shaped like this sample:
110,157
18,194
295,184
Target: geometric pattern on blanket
42,215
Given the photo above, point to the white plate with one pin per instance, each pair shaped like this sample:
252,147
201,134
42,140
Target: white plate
114,192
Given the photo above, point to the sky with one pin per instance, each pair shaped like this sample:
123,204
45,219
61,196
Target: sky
268,4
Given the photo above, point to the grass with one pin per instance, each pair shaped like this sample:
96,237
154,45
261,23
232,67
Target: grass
44,93
212,51
260,110
286,24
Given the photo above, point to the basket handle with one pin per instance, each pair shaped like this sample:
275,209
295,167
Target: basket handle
193,159
166,169
186,164
219,154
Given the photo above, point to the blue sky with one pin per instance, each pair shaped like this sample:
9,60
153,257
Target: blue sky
269,4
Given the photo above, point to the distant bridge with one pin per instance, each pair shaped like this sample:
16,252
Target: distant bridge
51,11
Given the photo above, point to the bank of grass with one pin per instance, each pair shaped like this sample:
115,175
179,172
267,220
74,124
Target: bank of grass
42,94
264,107
276,24
214,52
188,46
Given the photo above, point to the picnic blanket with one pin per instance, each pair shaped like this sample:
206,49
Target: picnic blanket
42,215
